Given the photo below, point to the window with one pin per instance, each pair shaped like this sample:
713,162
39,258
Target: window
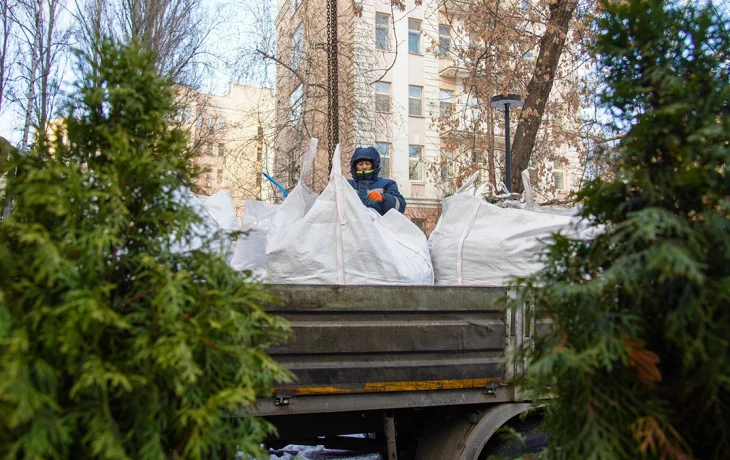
295,6
475,112
208,148
447,167
211,121
414,36
444,39
295,101
221,149
525,5
446,102
222,123
199,122
559,175
382,97
219,177
384,151
473,40
297,47
415,101
209,179
382,28
415,162
476,157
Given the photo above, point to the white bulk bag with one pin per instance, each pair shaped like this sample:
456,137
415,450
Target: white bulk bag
250,252
335,239
219,206
218,221
478,243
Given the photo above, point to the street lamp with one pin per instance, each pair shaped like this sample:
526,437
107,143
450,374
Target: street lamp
501,101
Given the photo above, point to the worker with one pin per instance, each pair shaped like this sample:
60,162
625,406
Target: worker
377,193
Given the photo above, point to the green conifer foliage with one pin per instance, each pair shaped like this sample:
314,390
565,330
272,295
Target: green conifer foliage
5,149
638,355
111,344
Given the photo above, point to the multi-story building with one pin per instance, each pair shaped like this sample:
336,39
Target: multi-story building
231,134
397,75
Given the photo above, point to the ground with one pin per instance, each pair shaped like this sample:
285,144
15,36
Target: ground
319,453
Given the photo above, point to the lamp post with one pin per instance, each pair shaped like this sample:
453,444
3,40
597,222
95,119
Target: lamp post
502,101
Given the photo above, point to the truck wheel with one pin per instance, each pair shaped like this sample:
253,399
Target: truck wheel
466,436
532,440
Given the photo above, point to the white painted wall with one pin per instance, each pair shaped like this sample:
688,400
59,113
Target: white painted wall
397,128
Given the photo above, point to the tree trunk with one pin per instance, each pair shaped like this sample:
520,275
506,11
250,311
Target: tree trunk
31,95
4,49
45,54
538,90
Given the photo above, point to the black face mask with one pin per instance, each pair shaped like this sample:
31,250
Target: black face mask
368,174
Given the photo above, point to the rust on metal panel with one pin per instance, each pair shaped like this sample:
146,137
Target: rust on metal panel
364,368
385,387
331,403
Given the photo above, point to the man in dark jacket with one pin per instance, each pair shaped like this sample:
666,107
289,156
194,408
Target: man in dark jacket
379,194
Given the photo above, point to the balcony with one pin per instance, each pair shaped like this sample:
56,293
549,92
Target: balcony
452,67
456,7
460,134
466,119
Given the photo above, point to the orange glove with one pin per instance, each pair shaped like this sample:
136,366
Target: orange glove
375,196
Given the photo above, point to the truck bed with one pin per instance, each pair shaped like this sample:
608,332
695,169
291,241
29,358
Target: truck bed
382,347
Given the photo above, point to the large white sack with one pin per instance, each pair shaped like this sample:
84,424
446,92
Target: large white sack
336,240
219,206
218,220
478,243
531,204
250,251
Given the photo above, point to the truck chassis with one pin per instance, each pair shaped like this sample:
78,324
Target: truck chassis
427,369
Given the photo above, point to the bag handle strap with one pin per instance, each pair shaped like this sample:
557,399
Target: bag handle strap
469,182
336,174
308,160
336,162
480,190
529,197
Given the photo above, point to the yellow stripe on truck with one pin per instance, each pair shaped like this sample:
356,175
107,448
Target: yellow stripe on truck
385,387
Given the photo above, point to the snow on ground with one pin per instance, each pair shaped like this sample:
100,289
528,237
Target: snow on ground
319,453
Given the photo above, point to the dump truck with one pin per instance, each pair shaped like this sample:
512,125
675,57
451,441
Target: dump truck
426,372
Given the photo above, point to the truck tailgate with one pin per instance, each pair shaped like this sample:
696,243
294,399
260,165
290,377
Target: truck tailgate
389,346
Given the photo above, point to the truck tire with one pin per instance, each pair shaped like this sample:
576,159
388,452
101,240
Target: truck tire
533,440
465,436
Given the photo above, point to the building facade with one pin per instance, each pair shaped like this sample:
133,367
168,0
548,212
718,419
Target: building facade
231,133
399,78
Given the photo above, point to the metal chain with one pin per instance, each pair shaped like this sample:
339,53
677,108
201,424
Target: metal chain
333,106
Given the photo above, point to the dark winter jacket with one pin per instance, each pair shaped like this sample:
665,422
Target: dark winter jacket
367,181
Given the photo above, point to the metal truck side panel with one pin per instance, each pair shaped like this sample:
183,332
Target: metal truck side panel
386,339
